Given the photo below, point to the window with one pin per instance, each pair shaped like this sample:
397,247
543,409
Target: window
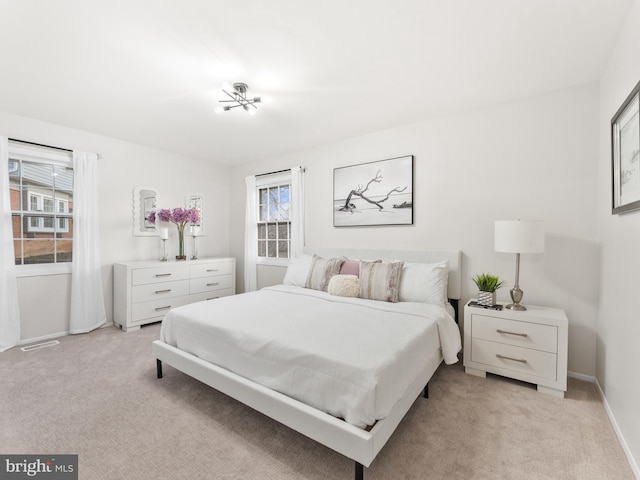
274,221
41,185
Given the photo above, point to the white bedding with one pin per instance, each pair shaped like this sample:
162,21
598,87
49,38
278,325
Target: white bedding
350,357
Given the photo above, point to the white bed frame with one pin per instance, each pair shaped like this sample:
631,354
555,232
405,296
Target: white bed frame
355,443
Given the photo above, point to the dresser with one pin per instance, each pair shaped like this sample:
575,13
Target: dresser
528,345
143,292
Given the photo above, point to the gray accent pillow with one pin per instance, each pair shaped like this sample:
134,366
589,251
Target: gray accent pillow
380,281
321,271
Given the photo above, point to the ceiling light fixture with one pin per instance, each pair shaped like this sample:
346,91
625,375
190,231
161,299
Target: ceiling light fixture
238,98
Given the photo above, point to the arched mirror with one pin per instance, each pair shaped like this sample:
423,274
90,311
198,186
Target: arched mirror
145,202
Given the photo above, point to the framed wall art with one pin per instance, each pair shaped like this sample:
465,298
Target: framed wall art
374,193
625,154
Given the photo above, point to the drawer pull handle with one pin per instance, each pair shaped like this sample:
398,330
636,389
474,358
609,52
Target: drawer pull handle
511,333
212,298
213,284
502,357
163,308
163,274
212,270
163,291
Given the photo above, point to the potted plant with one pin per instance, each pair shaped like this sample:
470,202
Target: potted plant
487,285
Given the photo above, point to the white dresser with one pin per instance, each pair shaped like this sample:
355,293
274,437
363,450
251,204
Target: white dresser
144,291
530,345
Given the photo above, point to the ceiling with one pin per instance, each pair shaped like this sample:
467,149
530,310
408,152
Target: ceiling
151,71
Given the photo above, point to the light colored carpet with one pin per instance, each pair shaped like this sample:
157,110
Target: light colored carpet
97,395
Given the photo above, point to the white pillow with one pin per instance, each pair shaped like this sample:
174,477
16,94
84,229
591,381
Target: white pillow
424,282
298,270
344,285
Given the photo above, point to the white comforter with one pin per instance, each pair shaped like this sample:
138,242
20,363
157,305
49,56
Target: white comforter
349,357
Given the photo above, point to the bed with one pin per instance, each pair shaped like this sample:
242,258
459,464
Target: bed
338,368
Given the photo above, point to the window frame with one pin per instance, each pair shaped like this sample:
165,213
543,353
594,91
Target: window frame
44,156
271,181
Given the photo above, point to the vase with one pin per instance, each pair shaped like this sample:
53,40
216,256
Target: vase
181,255
488,299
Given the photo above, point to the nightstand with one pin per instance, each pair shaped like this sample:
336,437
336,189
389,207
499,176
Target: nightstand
530,345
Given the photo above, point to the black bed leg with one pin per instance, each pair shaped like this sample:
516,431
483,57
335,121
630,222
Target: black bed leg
426,391
159,367
359,471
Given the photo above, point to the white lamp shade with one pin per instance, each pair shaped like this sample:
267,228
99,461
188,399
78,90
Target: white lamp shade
519,236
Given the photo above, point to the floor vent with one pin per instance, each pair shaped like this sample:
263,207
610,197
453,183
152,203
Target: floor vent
40,345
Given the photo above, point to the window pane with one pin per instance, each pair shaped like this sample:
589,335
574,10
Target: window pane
263,196
17,248
262,248
15,223
47,204
283,230
284,194
262,231
48,222
283,249
263,213
272,249
64,251
63,181
34,205
271,231
38,251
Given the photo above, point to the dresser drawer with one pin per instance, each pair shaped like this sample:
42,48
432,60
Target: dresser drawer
211,269
210,284
155,291
169,273
156,308
201,297
515,359
513,332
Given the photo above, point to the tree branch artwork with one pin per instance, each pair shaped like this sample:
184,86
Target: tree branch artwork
360,191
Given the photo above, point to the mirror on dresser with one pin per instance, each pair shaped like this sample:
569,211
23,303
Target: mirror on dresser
145,201
196,200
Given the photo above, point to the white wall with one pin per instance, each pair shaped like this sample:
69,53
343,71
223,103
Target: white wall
532,159
44,301
618,318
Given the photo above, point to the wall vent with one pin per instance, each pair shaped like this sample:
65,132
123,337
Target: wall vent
40,345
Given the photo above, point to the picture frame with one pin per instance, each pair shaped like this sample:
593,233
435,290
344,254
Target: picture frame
625,155
374,193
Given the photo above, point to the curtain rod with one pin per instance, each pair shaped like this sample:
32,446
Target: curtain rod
41,145
277,171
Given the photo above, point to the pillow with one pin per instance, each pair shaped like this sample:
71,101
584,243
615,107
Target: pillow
321,271
344,285
380,280
297,271
424,282
350,267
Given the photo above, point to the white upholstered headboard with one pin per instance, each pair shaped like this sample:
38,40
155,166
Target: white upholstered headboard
454,257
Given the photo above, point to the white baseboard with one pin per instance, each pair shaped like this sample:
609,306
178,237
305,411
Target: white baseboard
632,461
44,337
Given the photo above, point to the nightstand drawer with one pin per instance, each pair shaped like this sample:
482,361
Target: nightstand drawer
155,291
512,358
517,333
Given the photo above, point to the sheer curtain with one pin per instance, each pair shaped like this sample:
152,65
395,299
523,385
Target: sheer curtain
9,309
87,297
297,211
250,237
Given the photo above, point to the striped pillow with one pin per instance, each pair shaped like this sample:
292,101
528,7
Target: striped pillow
321,271
380,280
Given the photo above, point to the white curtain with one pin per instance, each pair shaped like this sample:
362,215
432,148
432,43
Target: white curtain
87,297
297,211
251,236
9,309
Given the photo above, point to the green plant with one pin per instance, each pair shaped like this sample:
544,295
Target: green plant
487,282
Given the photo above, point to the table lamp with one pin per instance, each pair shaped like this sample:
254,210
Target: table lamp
518,236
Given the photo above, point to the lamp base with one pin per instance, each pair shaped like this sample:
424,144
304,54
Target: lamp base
516,296
516,306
